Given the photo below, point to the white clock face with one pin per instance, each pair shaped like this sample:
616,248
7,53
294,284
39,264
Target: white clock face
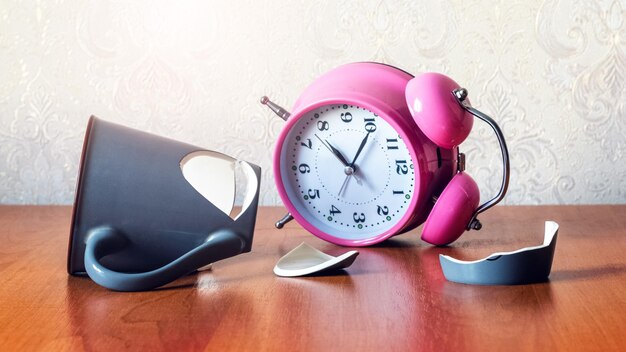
347,171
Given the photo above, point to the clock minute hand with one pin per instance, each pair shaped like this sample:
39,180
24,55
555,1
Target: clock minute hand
358,152
351,169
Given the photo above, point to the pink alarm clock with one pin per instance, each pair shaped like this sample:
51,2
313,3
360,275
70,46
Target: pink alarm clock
369,152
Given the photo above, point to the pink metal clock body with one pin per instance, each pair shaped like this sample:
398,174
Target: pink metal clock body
381,90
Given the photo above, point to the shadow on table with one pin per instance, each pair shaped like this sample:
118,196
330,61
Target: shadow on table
587,273
395,243
172,317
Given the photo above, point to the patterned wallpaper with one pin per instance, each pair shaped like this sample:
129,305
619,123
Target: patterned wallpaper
553,73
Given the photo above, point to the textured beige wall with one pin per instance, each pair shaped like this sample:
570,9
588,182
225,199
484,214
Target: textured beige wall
552,73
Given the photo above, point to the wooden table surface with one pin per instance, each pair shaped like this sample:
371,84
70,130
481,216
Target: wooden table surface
394,296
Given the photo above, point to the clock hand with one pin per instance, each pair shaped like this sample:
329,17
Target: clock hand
343,185
339,157
345,163
350,169
358,152
349,173
338,154
334,150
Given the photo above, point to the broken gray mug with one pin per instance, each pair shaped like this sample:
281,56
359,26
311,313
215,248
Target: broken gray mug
149,210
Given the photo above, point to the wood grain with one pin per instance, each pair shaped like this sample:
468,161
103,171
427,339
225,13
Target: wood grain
394,297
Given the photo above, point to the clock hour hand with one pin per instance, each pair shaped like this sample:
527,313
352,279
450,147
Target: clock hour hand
334,150
339,156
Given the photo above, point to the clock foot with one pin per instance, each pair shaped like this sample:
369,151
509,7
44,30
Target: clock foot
285,219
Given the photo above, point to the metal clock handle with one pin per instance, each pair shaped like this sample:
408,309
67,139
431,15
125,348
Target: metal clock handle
460,95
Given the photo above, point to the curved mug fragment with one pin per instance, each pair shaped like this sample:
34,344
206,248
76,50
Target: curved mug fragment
523,266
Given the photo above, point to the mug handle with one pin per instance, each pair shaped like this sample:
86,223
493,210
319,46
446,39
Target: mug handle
103,241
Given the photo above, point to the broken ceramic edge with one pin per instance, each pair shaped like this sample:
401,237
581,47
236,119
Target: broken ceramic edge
306,260
523,266
208,267
214,176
